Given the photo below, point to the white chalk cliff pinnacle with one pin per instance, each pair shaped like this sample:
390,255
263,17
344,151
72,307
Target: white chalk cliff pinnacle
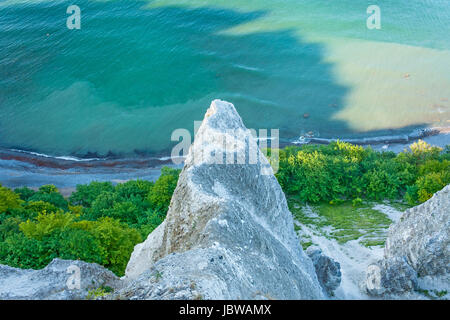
228,233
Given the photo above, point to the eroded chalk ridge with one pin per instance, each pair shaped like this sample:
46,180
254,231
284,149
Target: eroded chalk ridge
60,280
417,252
228,233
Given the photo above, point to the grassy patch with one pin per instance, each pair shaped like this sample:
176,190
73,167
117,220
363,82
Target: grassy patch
399,205
306,244
373,243
99,292
343,222
440,294
432,294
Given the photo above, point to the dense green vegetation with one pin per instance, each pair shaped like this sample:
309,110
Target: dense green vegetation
333,189
344,172
99,223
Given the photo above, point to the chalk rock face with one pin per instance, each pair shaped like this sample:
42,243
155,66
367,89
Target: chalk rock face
391,276
417,246
228,233
328,270
57,281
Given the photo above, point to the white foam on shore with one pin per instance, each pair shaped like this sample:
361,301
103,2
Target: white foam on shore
72,158
439,137
416,134
67,158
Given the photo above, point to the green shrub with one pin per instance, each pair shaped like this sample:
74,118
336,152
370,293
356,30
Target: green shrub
411,195
116,241
8,199
45,224
76,244
161,193
20,251
86,194
134,190
40,206
357,202
24,193
101,224
430,183
50,194
98,293
340,171
9,226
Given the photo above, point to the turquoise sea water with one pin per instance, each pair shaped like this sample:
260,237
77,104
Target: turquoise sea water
137,70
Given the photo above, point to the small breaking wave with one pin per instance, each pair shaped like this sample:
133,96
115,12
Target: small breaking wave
241,66
77,159
70,162
67,158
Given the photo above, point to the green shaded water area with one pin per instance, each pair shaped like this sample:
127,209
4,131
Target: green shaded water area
137,70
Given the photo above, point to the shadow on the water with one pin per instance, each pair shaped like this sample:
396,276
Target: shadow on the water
145,58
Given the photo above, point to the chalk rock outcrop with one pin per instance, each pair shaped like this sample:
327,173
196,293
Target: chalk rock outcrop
417,246
228,233
60,280
328,270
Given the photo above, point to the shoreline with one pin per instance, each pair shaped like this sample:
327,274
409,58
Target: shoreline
30,169
390,139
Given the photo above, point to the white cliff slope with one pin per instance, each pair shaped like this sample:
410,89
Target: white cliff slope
417,251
